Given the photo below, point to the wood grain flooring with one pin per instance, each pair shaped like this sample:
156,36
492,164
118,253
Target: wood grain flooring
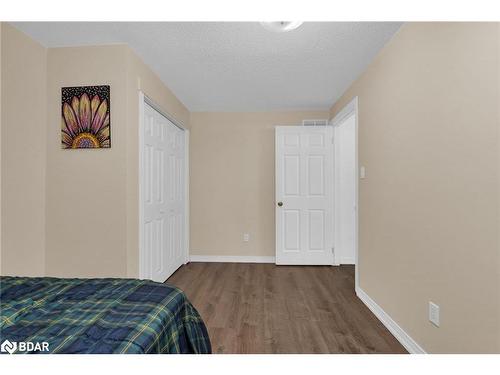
263,308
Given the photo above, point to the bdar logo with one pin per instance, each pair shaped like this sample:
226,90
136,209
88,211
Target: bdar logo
8,346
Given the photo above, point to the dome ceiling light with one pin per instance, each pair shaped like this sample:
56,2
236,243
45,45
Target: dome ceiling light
281,26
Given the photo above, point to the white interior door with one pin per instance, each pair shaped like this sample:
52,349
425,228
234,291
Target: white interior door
345,189
304,195
163,196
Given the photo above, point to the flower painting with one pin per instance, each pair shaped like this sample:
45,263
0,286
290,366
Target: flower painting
85,119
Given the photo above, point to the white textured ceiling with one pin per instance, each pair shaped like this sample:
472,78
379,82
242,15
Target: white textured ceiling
238,66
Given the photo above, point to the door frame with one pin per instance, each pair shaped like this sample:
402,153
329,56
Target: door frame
349,109
144,99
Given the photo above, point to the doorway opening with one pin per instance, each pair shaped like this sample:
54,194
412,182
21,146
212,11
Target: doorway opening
345,125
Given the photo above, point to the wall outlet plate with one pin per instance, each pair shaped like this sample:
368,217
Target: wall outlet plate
434,313
246,237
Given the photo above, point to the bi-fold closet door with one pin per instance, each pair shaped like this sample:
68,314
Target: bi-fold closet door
163,189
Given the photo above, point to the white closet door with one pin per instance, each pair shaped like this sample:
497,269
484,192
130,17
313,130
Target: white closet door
175,197
304,195
162,186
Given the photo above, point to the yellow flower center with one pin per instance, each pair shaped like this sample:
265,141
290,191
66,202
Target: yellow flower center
85,140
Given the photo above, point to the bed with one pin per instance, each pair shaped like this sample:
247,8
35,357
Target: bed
99,316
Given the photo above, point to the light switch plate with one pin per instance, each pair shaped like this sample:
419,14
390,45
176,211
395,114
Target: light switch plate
434,313
362,172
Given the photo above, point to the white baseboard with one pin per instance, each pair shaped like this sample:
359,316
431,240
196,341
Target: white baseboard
231,259
405,339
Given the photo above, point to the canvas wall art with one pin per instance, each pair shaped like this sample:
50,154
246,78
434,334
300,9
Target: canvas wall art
85,117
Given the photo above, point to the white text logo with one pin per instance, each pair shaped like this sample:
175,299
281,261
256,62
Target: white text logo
24,346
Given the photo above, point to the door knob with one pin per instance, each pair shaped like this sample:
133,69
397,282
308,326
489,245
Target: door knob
280,204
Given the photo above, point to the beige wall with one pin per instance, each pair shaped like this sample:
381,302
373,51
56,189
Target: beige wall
23,116
498,173
71,213
86,195
232,181
92,199
428,137
1,26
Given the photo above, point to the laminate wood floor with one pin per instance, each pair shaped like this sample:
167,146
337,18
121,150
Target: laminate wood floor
263,308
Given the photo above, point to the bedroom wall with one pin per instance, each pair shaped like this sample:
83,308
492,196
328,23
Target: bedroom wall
92,195
428,224
1,148
82,204
86,194
232,181
498,174
23,77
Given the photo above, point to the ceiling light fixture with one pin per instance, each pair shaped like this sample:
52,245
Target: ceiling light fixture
281,26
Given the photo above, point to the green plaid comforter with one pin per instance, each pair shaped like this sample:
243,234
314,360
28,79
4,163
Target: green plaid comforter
99,316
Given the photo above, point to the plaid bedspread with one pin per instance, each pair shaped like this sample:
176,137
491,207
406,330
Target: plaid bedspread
100,316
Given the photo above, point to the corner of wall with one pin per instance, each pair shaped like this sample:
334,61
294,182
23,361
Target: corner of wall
1,56
498,178
45,159
133,86
23,158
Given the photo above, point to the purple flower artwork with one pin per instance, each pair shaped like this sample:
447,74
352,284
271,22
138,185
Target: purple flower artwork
85,117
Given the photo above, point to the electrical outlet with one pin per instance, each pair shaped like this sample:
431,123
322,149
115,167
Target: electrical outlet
434,313
246,237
